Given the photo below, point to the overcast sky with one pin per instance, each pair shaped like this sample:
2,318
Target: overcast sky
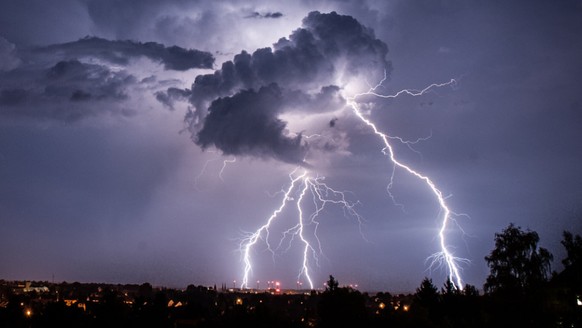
141,140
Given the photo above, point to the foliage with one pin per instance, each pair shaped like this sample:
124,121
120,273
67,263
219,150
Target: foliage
341,306
449,288
566,286
573,246
517,264
332,284
517,296
427,294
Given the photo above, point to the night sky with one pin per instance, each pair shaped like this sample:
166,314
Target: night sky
117,117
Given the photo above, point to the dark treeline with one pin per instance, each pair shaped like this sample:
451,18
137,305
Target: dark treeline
521,290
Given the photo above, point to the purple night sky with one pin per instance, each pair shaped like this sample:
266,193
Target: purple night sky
141,140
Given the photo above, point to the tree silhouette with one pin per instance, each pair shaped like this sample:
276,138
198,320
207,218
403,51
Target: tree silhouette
573,260
426,305
449,288
332,284
470,291
516,285
517,264
343,306
427,294
567,285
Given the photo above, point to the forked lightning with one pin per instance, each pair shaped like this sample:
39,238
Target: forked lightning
304,183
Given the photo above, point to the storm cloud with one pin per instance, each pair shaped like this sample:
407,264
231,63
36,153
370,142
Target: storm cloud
88,77
302,73
120,52
257,14
69,90
247,124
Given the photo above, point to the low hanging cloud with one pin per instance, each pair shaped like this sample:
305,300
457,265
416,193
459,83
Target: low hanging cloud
299,73
120,52
247,124
68,91
85,78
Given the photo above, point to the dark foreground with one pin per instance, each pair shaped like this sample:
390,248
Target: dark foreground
43,304
520,291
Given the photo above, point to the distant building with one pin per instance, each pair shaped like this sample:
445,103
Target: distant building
27,288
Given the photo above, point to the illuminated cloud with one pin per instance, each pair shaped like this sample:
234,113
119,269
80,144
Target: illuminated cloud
299,73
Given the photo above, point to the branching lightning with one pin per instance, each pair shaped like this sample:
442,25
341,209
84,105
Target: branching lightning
224,164
300,187
444,256
220,173
304,183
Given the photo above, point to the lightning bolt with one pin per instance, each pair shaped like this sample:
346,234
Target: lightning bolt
220,173
262,233
202,171
307,247
322,195
300,185
224,164
444,255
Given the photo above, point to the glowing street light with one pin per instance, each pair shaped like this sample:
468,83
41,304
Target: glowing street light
277,286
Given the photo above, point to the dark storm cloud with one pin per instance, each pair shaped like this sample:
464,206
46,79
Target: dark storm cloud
304,67
247,124
305,60
63,82
56,93
120,52
256,14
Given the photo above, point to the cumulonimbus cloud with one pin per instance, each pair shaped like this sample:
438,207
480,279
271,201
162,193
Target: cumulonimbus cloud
247,124
237,108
